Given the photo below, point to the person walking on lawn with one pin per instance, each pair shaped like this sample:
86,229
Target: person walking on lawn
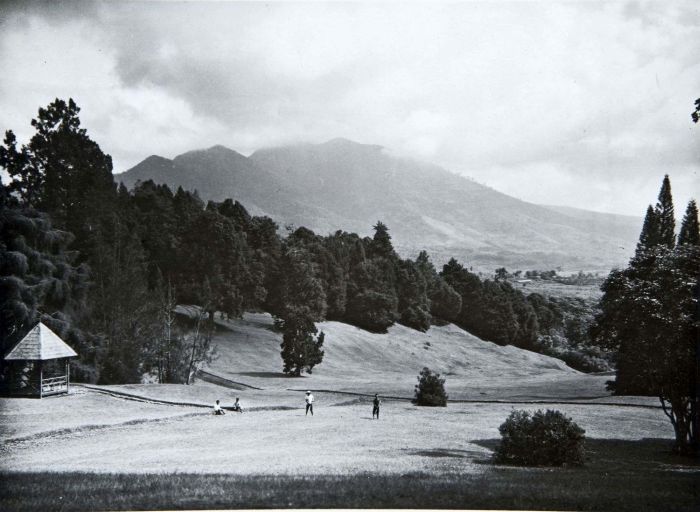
375,406
309,403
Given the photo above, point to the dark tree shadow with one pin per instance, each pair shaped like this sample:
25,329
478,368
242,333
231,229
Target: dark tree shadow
267,375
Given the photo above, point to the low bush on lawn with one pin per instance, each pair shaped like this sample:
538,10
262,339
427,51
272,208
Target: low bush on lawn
540,439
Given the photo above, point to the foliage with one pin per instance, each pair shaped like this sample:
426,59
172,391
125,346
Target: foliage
430,389
494,311
39,281
62,172
564,325
649,315
301,349
540,439
197,343
690,231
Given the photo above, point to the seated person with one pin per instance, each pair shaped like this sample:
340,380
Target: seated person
237,406
218,410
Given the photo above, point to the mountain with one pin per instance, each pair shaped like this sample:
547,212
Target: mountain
344,185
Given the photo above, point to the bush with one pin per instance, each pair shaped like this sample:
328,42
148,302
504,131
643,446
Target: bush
430,389
541,439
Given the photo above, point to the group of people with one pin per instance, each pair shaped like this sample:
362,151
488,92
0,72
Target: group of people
309,399
219,411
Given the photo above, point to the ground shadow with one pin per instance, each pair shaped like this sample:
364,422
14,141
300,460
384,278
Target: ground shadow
651,454
264,375
490,444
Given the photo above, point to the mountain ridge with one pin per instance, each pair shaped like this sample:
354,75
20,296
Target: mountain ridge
341,184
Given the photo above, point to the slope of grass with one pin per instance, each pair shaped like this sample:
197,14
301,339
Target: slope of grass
356,360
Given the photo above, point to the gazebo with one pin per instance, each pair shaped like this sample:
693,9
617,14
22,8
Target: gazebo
39,364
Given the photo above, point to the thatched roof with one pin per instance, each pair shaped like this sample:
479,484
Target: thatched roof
40,344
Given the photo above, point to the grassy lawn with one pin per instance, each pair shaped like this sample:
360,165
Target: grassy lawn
619,475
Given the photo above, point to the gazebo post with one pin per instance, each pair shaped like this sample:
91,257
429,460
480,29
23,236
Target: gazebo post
41,379
67,375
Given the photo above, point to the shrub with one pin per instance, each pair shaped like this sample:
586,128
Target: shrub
430,389
541,439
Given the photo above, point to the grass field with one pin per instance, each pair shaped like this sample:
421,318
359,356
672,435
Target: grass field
160,446
639,475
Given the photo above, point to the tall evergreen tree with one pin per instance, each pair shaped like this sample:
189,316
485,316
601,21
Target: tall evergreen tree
63,172
381,243
39,281
690,228
649,315
665,215
649,237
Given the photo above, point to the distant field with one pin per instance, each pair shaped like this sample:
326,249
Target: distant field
554,289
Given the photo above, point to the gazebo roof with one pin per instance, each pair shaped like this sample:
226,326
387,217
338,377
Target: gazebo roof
40,344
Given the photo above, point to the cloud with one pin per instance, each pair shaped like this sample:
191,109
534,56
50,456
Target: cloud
582,103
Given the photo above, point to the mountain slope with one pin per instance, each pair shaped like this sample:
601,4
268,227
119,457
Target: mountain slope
345,185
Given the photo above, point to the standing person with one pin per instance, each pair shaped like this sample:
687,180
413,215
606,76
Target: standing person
237,406
309,403
218,410
375,406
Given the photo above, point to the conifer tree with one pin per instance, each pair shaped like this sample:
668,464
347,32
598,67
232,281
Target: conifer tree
649,315
665,215
649,237
690,229
63,172
39,281
381,243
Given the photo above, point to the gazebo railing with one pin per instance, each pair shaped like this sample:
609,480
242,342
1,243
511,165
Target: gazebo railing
54,385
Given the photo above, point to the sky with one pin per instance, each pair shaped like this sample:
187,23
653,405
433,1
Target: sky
583,104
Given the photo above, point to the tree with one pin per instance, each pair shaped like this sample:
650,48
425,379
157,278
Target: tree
690,228
664,214
501,274
62,172
40,281
372,300
198,343
413,303
303,301
301,349
381,243
445,302
649,314
650,236
123,310
430,389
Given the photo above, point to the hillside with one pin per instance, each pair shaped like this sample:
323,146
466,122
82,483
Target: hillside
345,185
248,351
